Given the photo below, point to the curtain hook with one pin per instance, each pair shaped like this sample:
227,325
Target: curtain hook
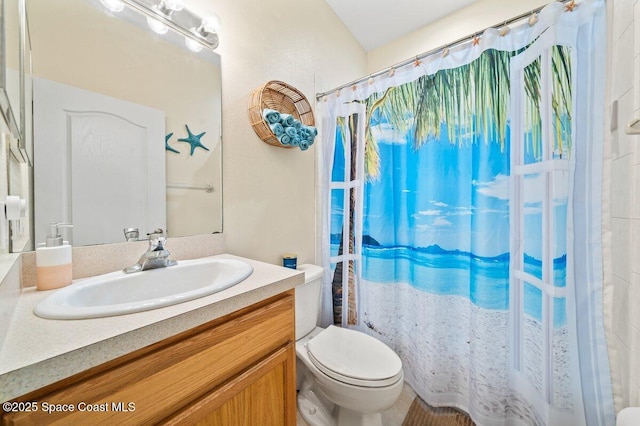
353,87
370,81
570,6
416,63
392,72
476,40
324,98
445,52
504,30
338,93
533,19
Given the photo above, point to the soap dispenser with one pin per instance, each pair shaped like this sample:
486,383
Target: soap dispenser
53,260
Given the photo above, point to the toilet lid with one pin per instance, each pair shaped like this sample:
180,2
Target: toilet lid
354,357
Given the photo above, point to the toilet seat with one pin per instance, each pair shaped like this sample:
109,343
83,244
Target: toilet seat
354,357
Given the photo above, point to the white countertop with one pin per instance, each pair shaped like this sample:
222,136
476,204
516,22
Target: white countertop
38,352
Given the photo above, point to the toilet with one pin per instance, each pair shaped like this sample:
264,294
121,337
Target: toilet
344,377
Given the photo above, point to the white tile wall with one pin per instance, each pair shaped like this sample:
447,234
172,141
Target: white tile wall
635,201
621,320
634,357
621,247
634,297
636,29
623,61
622,16
623,361
623,144
622,183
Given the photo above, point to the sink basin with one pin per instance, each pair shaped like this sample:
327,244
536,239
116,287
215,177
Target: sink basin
118,293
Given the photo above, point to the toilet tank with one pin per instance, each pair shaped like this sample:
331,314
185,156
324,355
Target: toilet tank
308,299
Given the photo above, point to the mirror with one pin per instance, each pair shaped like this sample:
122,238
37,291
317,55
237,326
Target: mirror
78,43
10,60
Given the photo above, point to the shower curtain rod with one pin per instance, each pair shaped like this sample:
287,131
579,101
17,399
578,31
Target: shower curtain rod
462,40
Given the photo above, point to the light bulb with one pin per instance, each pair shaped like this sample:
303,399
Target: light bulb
175,5
157,26
212,24
113,5
193,45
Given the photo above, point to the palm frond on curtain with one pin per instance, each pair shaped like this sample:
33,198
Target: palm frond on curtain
561,99
470,99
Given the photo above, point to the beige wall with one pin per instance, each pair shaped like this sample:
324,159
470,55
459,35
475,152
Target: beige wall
622,212
268,191
473,18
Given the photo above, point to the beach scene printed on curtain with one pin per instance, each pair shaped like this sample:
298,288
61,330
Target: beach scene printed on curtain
436,232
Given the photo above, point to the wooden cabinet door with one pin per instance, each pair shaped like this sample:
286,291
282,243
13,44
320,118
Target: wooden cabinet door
262,395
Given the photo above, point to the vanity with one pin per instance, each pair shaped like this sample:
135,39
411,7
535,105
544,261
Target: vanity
227,358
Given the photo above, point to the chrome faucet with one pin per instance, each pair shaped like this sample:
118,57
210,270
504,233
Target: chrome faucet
156,255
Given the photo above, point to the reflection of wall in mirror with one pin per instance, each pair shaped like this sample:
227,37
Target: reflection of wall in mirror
12,55
108,55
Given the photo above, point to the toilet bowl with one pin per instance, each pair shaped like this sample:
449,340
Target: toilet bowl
629,416
345,377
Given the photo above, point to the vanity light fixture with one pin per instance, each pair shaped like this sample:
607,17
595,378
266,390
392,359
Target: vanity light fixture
162,15
113,5
157,26
192,45
207,31
164,8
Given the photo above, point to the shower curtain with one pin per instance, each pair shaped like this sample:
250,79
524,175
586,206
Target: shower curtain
462,220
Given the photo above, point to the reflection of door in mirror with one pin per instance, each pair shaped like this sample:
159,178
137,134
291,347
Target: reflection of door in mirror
101,164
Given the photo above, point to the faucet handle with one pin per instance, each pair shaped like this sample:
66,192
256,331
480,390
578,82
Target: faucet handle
156,239
158,232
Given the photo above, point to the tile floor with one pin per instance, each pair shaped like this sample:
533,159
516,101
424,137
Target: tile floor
394,415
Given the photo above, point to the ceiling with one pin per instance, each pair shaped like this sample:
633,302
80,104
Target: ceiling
377,22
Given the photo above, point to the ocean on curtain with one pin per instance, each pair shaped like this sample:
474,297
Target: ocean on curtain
462,220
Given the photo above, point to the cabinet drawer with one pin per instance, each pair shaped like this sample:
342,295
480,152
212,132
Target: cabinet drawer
172,374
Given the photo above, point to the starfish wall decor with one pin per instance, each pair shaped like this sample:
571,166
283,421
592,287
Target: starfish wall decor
193,140
166,144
